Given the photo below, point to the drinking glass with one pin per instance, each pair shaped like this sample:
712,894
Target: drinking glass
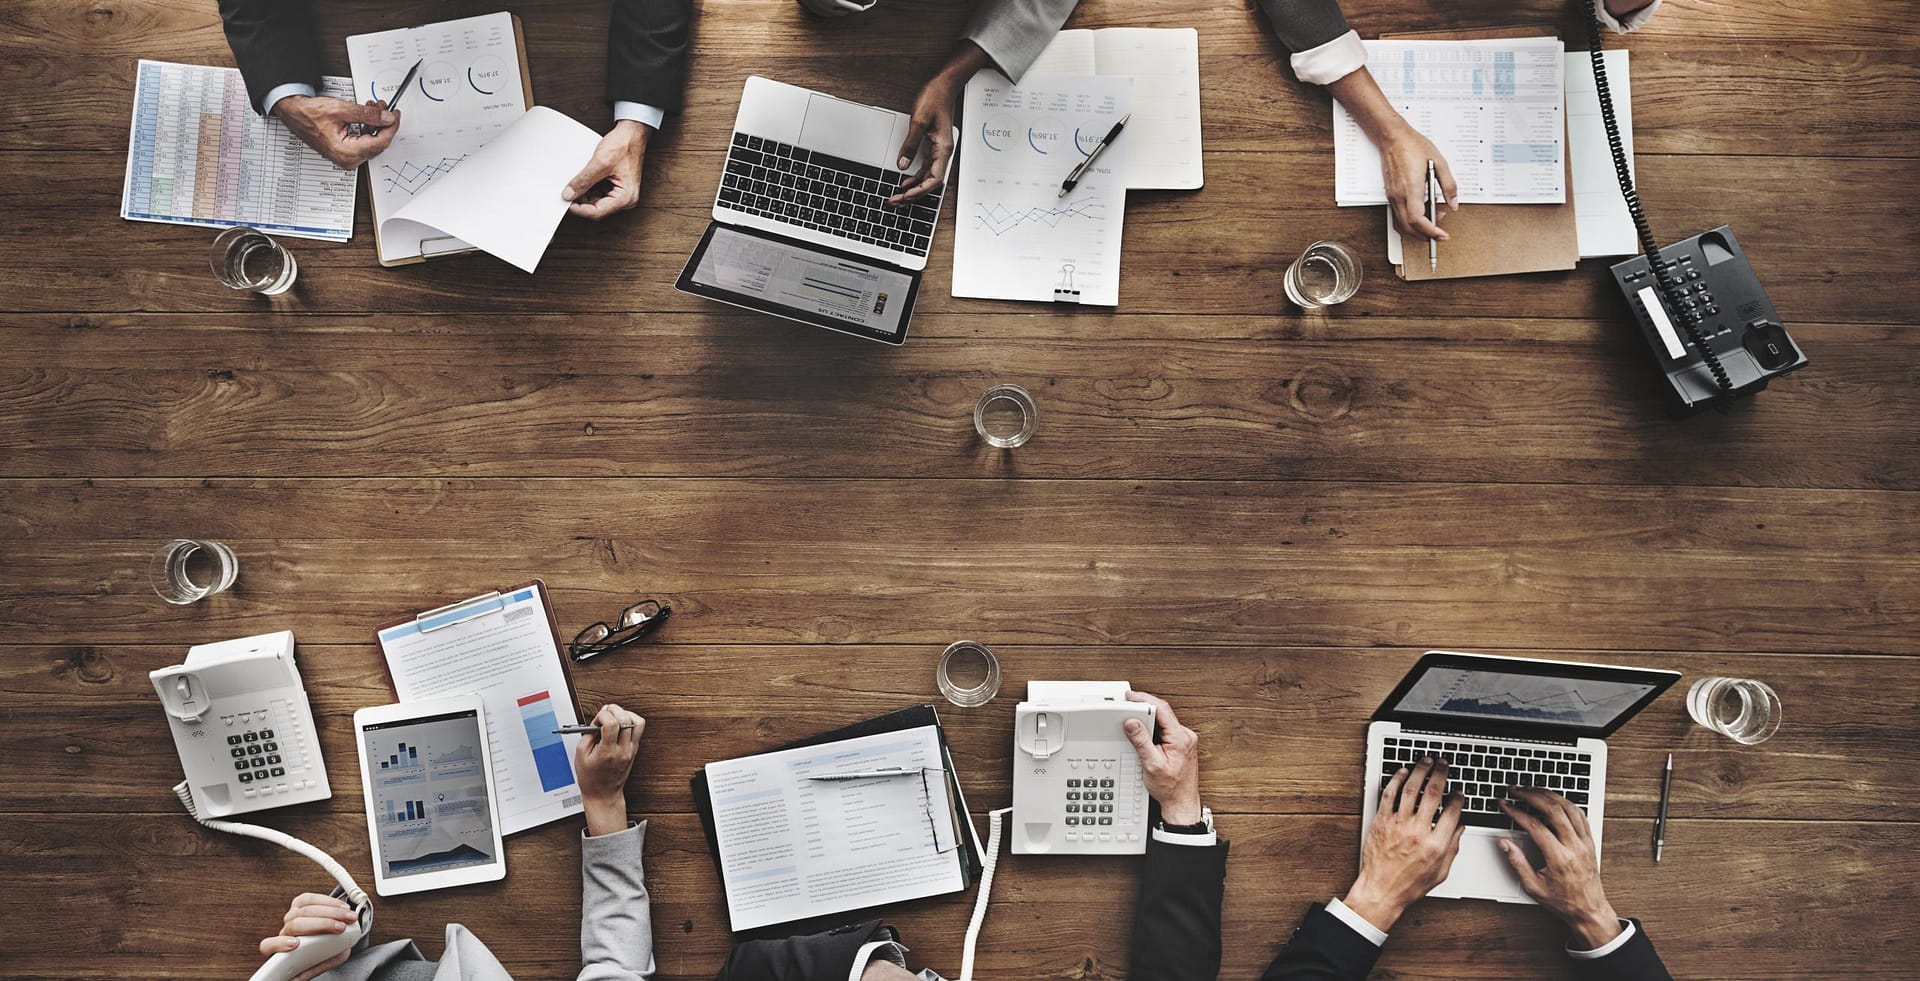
1326,274
1743,710
969,674
249,260
184,570
1005,416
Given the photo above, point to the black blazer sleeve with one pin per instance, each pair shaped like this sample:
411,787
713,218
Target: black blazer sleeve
1303,25
815,957
647,52
1636,960
1176,930
272,42
1323,949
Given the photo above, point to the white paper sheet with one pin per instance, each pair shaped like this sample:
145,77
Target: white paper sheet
1163,138
793,848
1016,237
1606,228
506,655
1494,108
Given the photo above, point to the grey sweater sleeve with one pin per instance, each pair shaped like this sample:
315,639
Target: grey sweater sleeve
616,922
1303,25
1014,32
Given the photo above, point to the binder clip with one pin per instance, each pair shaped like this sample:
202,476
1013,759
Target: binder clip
1066,292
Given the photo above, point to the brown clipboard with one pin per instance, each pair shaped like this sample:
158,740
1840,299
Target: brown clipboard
526,93
553,627
1497,239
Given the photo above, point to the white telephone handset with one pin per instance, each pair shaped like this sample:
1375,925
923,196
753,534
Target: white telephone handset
1076,778
242,725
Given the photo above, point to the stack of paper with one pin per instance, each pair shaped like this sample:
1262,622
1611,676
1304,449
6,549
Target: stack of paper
1163,137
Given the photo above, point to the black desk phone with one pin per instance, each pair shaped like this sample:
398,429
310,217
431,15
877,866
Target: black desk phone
1712,331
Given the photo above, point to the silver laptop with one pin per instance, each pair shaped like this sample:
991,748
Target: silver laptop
801,228
1500,722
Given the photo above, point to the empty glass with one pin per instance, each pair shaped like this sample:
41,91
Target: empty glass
1326,274
249,260
969,674
1744,711
1005,416
184,571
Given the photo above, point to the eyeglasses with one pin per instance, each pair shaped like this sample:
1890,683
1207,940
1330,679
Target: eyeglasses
634,622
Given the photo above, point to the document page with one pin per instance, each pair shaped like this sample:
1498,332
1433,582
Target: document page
1606,228
507,655
1494,108
1017,237
793,848
1163,137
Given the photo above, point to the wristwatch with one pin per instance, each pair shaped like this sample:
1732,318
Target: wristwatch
1204,827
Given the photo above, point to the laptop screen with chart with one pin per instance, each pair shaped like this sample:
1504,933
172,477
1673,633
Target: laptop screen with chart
1480,692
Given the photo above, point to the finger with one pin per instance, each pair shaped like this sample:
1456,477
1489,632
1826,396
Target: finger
320,899
1142,739
1575,818
1412,220
342,913
1410,796
1390,794
306,926
1162,712
371,114
609,712
278,944
1542,836
1550,814
1517,857
1449,822
598,208
916,131
596,170
364,148
1435,793
1447,186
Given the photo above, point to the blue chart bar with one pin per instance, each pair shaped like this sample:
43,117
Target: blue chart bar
390,815
549,750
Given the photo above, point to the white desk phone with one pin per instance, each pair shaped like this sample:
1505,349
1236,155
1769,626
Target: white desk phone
244,730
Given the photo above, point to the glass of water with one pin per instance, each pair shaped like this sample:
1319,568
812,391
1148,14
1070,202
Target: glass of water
1326,274
184,571
1744,711
249,260
1005,416
969,674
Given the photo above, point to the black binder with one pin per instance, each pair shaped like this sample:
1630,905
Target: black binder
912,717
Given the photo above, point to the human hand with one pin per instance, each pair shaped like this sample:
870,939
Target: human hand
1404,153
602,761
333,127
1569,884
932,121
1410,847
1171,767
312,915
616,161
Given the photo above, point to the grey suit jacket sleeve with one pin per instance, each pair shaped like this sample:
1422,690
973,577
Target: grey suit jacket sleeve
616,919
1014,32
1303,25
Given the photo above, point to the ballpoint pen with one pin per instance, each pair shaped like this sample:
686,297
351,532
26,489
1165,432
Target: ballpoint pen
890,771
1066,186
1433,215
1660,822
398,91
583,730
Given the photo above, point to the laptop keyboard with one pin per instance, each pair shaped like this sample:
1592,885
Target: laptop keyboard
825,193
1482,772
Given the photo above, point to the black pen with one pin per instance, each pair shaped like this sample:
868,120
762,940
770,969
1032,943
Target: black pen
1066,186
1433,215
583,730
1660,823
398,92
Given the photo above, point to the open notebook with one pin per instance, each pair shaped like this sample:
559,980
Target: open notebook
1163,137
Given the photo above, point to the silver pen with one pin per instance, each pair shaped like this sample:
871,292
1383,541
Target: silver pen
1066,186
583,730
1433,215
1660,823
891,771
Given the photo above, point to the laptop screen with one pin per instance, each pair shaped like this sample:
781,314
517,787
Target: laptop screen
810,283
1481,692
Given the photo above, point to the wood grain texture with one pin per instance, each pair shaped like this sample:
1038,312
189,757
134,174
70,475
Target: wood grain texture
1263,516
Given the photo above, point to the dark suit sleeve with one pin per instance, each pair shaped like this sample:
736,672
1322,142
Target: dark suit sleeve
1303,25
1636,960
273,43
1176,931
647,52
1323,949
815,957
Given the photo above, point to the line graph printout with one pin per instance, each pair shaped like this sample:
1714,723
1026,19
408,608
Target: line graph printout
1498,695
1496,109
200,155
468,90
1017,238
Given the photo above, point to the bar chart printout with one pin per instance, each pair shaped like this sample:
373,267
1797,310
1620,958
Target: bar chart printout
549,750
199,154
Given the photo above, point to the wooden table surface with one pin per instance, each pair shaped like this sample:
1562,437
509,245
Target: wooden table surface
1261,515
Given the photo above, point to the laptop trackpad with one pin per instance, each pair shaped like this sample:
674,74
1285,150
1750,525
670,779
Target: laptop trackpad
845,129
1481,871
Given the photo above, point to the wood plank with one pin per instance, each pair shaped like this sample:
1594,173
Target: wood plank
1178,260
903,562
1050,917
1282,728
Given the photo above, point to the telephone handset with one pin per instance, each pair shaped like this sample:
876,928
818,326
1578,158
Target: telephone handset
242,725
1733,341
1076,778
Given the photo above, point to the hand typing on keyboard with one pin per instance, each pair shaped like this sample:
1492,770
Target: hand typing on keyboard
1411,845
1569,883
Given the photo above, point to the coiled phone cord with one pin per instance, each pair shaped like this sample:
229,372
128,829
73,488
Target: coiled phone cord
987,862
353,892
1669,291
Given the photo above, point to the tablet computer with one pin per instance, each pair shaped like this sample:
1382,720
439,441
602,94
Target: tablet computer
432,811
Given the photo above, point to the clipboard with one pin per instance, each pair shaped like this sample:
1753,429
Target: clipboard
1497,239
912,717
473,607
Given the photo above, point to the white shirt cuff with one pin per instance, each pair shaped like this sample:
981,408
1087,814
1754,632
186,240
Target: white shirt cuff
1332,61
279,92
1356,922
888,950
640,112
1631,22
1626,934
1207,840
